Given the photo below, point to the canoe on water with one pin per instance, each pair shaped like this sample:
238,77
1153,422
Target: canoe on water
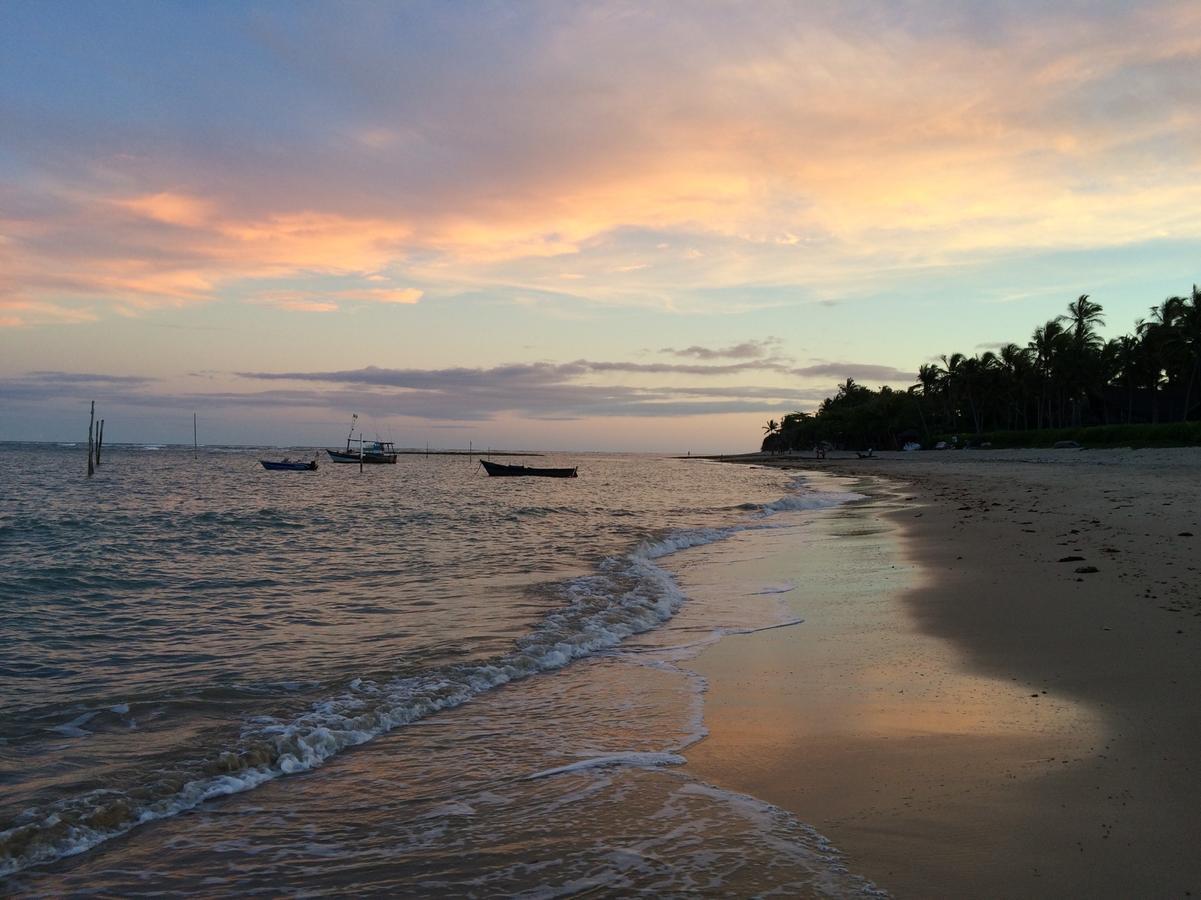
493,468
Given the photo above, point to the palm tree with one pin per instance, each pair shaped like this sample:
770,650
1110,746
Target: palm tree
1183,340
1127,355
951,376
929,380
1080,363
851,391
975,372
1065,367
927,377
796,430
1161,346
1083,315
1014,365
769,433
965,376
1047,344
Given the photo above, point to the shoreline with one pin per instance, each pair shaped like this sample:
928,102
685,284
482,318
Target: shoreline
1047,737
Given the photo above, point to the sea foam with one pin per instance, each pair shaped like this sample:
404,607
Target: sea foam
627,595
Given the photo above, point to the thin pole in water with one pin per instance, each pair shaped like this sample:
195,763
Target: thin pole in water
91,444
195,443
99,441
360,451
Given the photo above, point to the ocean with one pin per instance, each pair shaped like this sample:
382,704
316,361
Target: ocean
413,680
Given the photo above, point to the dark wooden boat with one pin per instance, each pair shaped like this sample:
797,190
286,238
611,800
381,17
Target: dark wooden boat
493,468
289,465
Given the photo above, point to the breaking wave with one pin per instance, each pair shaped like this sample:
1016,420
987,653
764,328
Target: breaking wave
626,595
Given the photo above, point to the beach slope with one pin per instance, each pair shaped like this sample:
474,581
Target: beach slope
995,689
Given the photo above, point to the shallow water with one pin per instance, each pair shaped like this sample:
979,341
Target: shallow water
409,680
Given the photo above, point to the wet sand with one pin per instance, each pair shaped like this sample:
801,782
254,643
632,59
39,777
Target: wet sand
963,712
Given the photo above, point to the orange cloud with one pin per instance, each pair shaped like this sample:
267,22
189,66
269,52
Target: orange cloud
386,295
313,241
331,301
296,302
18,313
784,153
171,208
134,268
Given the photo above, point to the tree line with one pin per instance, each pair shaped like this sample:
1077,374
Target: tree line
1066,376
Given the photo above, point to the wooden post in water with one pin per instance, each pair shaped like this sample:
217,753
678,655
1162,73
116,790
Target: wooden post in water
99,441
91,443
360,452
195,444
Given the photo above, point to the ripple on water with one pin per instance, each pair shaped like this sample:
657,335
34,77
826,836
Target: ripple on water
206,627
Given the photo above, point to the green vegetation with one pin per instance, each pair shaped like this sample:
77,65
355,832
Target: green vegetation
1170,434
1067,383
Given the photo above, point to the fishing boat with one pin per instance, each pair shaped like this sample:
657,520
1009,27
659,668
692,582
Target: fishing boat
289,465
373,452
493,468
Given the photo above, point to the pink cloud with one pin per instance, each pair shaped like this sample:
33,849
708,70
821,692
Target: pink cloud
776,151
333,300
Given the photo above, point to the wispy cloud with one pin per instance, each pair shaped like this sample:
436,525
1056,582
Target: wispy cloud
517,374
558,391
638,155
333,300
50,387
859,371
744,350
89,378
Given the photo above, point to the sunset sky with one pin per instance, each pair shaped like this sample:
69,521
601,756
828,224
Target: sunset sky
622,226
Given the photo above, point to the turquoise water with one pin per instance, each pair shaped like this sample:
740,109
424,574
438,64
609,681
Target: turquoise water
408,680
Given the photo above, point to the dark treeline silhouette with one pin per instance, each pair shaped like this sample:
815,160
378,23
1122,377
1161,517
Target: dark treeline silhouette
1067,376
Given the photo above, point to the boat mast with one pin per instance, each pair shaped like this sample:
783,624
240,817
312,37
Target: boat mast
354,417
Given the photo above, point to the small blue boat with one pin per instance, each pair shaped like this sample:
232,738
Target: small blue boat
288,465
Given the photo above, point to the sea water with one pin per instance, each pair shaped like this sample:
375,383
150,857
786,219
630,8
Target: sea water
409,680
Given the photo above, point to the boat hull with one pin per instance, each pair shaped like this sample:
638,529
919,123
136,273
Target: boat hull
500,469
339,456
275,466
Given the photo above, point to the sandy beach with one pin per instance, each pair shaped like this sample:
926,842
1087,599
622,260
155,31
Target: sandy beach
994,692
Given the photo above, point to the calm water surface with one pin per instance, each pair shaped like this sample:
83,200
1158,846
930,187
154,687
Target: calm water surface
408,681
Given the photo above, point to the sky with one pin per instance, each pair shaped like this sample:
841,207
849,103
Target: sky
600,225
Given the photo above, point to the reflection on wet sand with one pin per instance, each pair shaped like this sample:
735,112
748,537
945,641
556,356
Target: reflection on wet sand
877,734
